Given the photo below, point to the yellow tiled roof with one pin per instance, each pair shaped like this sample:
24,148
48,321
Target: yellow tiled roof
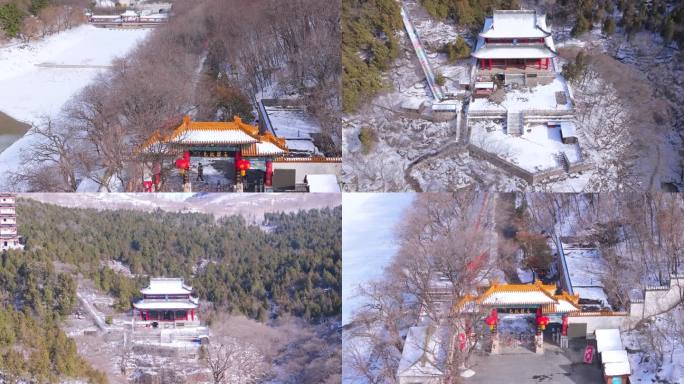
188,125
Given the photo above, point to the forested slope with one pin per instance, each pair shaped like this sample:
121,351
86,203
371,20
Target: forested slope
292,261
33,300
369,45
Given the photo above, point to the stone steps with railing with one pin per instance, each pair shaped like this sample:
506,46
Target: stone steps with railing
514,123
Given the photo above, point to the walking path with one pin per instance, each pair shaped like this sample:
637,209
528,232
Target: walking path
436,90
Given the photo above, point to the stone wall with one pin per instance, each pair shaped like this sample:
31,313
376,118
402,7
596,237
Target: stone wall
656,300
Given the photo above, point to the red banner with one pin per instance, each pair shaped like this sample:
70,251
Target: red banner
589,354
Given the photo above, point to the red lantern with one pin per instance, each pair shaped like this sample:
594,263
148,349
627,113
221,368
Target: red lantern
184,163
542,322
243,166
491,320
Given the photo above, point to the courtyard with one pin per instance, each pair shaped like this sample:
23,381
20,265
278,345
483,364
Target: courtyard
556,365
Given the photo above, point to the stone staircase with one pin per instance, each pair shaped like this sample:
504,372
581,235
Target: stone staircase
514,123
563,161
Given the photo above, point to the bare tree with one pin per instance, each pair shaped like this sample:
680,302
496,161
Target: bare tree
53,162
233,361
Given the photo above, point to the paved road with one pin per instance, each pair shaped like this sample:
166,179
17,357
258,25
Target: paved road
555,366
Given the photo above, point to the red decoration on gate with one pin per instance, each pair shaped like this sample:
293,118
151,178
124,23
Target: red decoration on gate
243,166
589,354
541,320
268,177
491,320
564,326
184,163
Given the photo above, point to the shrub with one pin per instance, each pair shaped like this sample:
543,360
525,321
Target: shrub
574,70
440,79
10,19
457,49
368,139
609,26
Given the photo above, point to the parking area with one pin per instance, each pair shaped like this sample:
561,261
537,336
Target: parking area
555,366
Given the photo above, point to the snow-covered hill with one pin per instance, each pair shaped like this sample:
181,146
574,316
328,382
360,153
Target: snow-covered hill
250,205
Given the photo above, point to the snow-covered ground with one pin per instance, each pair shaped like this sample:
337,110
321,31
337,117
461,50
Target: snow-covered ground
39,78
539,97
535,150
645,367
370,242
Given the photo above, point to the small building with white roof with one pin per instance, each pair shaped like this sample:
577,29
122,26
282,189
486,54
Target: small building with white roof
424,355
614,358
516,44
166,303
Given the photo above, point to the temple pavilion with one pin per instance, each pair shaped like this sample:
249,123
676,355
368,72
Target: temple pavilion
236,141
537,299
218,139
166,303
9,238
517,46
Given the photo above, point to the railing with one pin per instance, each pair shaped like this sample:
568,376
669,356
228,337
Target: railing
422,58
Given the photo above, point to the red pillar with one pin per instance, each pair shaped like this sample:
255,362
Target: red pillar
238,157
538,63
483,64
490,64
268,177
546,64
192,312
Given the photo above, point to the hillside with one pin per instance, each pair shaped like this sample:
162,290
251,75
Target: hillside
280,273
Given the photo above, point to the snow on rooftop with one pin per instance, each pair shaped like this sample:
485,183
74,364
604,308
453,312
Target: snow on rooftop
157,304
423,353
267,148
568,129
617,369
608,340
154,16
591,293
520,297
301,145
232,136
564,306
616,356
292,122
168,286
585,266
516,23
323,183
513,51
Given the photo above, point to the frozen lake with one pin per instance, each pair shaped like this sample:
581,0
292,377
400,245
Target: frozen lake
38,78
369,240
